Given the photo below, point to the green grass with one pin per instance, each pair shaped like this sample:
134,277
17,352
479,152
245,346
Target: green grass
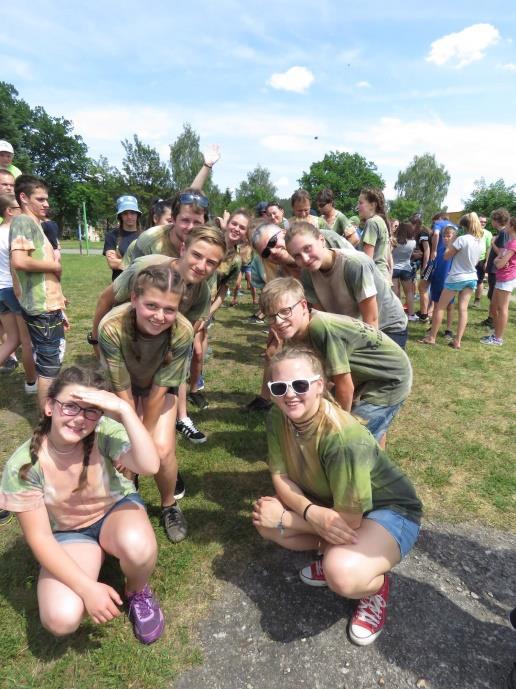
453,437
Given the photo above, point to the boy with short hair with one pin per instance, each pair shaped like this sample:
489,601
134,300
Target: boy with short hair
38,276
372,375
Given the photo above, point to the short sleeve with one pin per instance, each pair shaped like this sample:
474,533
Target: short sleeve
109,243
201,308
275,460
112,439
330,345
371,233
22,234
459,243
17,494
122,284
111,352
347,463
174,373
359,278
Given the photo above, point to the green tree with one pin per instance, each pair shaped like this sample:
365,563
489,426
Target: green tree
185,159
402,208
486,198
257,187
143,173
345,174
425,182
15,118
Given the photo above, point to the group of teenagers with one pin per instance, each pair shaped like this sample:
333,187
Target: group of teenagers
453,261
335,375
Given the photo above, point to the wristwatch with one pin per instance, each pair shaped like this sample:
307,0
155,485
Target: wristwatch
92,340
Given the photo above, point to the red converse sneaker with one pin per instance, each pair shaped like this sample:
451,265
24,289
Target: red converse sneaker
369,616
313,574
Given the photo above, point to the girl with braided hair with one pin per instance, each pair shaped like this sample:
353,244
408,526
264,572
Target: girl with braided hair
375,240
74,506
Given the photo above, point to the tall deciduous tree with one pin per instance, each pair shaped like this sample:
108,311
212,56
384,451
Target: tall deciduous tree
144,174
424,181
486,198
257,187
403,208
345,174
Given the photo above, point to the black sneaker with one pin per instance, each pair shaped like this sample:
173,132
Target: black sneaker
179,490
174,523
255,319
258,404
198,399
189,431
448,334
9,365
423,317
488,322
5,517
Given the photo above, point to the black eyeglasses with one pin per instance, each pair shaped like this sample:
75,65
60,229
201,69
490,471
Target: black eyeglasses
270,245
72,409
282,313
300,386
196,199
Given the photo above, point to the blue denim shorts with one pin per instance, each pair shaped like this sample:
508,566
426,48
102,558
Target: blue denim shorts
91,534
8,301
403,530
378,418
46,332
403,275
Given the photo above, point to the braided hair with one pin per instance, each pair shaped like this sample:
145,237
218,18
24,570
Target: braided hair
69,376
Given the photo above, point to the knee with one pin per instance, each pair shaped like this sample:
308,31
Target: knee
61,621
342,578
137,546
165,453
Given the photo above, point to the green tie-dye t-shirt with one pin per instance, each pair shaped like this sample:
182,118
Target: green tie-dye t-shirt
337,463
155,240
49,485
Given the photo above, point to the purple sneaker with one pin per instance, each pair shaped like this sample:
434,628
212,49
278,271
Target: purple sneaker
146,616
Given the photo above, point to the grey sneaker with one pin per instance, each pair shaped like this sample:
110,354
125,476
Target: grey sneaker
174,523
5,517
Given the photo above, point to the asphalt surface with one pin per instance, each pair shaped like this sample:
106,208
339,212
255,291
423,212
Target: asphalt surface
447,624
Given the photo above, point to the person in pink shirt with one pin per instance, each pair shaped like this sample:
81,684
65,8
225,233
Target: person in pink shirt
505,284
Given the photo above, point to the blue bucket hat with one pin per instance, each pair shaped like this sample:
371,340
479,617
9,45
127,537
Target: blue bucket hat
127,203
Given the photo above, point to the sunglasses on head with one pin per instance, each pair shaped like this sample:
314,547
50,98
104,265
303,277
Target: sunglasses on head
196,199
270,245
300,386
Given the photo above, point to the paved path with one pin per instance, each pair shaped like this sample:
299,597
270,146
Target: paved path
446,629
77,251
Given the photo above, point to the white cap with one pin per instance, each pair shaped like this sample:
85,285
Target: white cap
5,146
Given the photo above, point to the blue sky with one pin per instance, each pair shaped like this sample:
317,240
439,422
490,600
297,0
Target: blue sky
385,79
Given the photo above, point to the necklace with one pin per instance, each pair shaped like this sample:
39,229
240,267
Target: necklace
61,452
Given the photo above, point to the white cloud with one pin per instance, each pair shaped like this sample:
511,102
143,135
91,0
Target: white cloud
282,182
510,67
14,67
463,47
296,79
363,85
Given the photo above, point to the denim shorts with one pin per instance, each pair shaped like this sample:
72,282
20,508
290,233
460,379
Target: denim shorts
8,301
403,530
378,418
403,275
91,534
46,332
459,286
398,336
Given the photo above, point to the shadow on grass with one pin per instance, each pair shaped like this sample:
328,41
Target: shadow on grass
18,583
446,637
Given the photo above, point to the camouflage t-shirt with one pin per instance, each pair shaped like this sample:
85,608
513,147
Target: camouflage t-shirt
37,292
132,358
155,240
195,304
353,278
377,234
337,463
380,369
49,485
229,268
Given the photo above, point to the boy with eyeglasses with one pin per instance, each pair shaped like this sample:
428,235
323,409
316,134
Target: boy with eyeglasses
371,374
